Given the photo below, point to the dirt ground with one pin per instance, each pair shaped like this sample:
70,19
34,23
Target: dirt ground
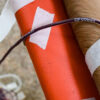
19,62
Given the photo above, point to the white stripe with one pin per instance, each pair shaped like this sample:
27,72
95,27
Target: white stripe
18,4
89,99
42,17
7,20
93,57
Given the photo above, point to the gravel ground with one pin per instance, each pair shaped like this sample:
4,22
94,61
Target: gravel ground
18,62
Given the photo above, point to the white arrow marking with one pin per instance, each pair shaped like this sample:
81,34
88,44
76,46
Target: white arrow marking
42,17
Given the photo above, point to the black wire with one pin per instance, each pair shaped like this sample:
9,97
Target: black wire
47,26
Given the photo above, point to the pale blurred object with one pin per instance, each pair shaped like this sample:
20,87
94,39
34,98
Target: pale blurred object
19,63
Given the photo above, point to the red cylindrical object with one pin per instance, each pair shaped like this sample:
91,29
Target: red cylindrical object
61,69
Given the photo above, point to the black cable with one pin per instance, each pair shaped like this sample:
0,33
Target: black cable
47,26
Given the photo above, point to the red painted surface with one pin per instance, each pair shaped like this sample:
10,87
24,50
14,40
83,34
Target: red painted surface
61,68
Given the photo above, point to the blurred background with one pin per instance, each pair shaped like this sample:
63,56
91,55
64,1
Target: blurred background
19,63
